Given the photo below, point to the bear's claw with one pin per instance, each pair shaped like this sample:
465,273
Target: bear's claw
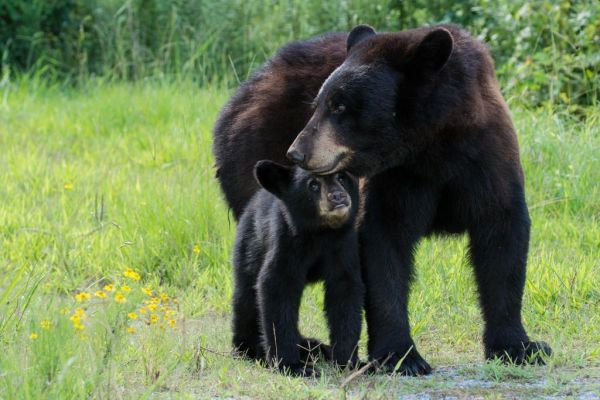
409,363
523,353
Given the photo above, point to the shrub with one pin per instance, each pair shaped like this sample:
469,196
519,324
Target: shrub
546,50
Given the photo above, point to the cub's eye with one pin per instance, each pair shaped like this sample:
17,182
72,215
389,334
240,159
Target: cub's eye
314,185
342,179
338,108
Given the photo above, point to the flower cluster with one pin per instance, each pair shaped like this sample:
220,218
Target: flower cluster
129,273
77,319
157,309
142,305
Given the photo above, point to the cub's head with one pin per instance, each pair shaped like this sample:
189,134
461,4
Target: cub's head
387,99
312,201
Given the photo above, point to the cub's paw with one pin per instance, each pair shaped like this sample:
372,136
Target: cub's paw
408,363
244,351
522,354
300,370
312,350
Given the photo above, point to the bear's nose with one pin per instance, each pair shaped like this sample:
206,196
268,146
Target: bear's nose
337,198
295,156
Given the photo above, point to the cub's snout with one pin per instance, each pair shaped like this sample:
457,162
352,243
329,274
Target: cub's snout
338,199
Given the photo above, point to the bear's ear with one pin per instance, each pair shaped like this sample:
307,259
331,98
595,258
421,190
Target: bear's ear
358,34
432,53
273,177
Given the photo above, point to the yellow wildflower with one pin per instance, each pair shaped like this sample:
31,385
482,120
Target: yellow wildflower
119,298
82,296
68,186
131,329
109,287
76,319
45,324
126,288
147,291
196,249
33,336
169,313
171,323
164,297
129,273
153,318
132,315
79,326
100,294
142,310
152,307
155,300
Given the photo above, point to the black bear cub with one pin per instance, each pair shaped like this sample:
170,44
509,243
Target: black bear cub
298,229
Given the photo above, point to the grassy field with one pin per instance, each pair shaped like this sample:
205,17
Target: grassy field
107,192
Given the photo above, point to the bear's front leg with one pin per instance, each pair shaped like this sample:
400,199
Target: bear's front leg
279,295
344,294
388,235
499,254
387,275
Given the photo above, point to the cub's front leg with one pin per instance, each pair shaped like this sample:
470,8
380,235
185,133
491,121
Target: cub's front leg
344,298
279,288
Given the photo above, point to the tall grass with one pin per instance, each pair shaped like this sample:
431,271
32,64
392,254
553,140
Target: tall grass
107,176
546,50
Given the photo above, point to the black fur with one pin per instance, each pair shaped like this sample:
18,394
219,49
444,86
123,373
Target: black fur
420,115
265,115
282,244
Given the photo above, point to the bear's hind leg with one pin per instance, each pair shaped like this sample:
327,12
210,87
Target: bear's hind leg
499,254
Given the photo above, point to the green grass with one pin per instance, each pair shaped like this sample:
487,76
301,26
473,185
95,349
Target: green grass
138,157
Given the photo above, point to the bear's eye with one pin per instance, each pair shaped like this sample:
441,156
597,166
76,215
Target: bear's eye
341,179
314,185
338,108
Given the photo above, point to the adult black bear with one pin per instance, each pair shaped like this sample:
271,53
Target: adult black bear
300,229
420,114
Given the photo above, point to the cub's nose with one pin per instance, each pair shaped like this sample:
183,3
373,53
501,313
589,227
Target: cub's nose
338,198
295,156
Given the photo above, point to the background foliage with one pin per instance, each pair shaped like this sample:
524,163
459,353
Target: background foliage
546,51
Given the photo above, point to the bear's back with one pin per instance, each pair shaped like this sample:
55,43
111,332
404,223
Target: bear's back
268,111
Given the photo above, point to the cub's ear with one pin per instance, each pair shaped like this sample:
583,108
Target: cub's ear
358,34
432,53
273,177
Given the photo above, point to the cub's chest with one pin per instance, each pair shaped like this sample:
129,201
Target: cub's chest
316,271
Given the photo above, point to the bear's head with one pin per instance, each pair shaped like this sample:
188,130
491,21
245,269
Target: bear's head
384,103
311,201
